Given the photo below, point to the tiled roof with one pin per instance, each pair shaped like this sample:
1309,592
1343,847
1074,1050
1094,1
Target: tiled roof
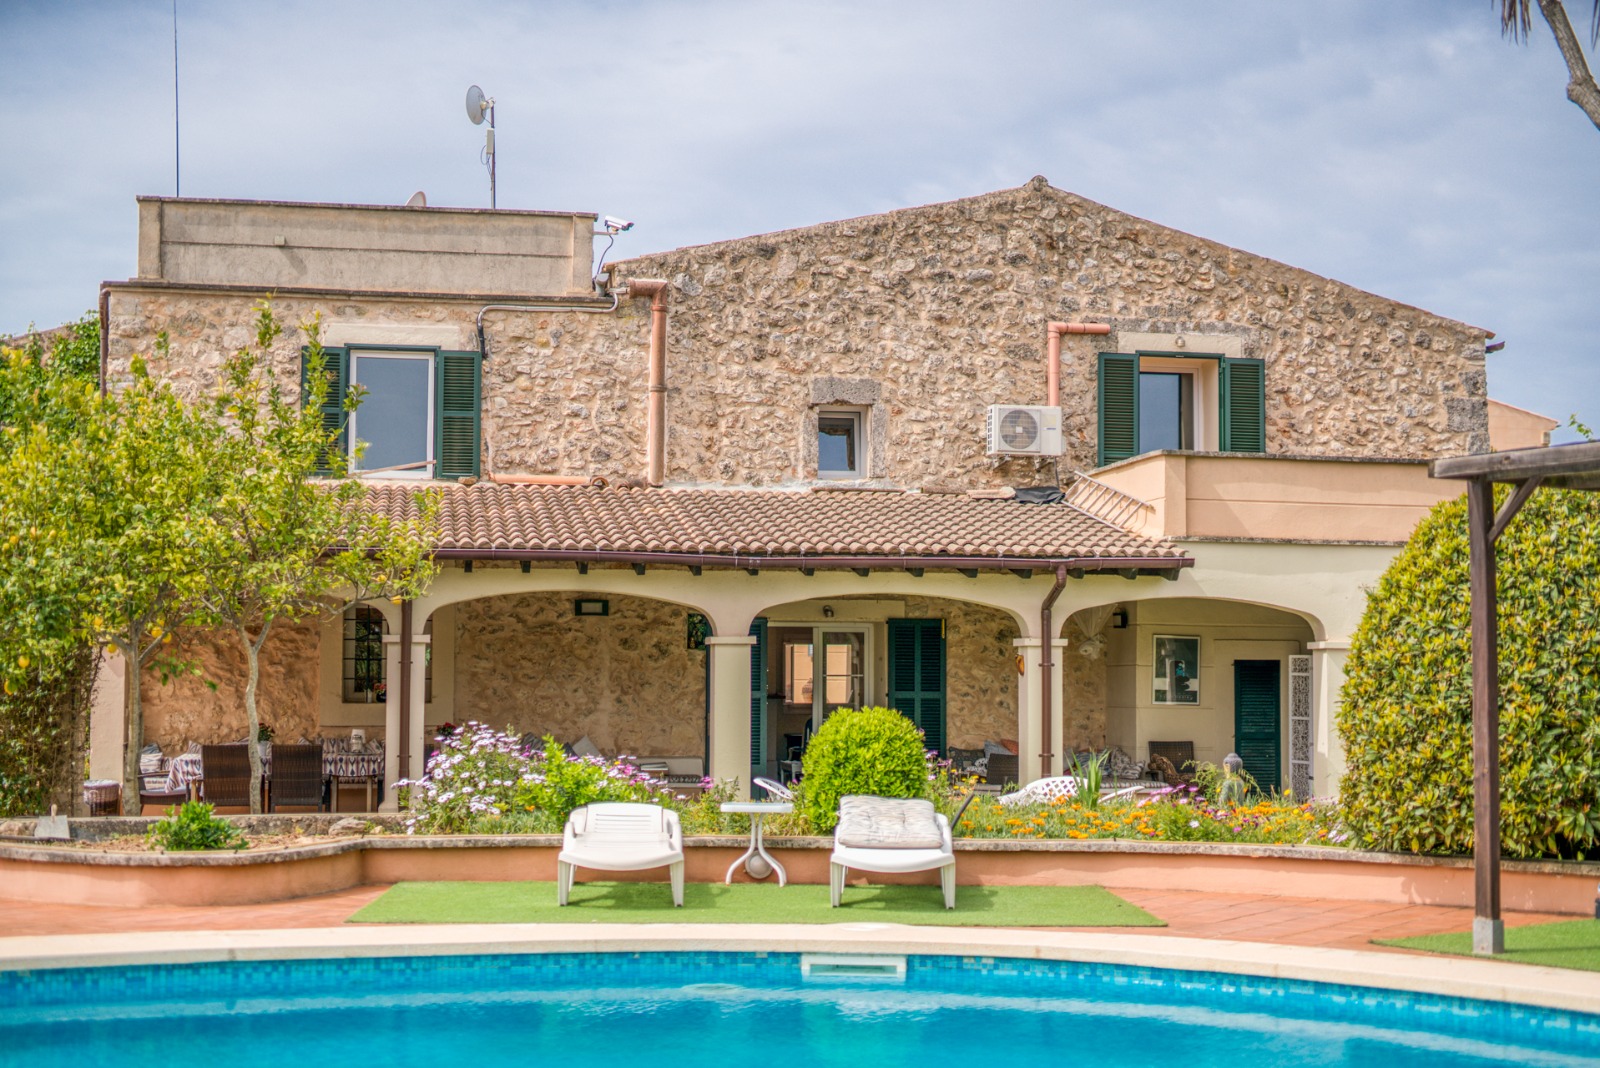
491,518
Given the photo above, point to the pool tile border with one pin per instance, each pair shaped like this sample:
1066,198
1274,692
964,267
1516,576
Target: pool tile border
1446,976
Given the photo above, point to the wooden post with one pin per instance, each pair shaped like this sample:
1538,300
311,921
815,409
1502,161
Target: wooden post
1488,930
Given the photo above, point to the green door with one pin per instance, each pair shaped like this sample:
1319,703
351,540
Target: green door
916,675
1256,686
758,701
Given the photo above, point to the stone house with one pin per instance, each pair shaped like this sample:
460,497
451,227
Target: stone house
695,501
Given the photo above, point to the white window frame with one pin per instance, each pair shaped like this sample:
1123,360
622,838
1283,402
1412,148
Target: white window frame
1205,394
429,356
1195,676
859,417
818,684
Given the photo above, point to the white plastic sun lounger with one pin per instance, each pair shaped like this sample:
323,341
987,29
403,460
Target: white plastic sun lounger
882,834
620,836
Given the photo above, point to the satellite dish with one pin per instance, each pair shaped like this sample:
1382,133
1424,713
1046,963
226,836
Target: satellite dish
477,104
419,199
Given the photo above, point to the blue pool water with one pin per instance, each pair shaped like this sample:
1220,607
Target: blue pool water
690,1010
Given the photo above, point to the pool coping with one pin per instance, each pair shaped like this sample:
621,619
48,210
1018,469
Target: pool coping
1523,984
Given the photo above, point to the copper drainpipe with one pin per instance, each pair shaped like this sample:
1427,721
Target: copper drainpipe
655,447
1046,668
1052,367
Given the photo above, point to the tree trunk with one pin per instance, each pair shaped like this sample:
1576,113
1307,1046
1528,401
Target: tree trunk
252,651
130,788
1581,87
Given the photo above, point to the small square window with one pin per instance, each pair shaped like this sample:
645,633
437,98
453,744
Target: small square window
841,451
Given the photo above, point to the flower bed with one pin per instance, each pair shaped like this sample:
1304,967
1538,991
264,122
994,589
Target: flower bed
1176,814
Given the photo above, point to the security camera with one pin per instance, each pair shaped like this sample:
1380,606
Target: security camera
616,225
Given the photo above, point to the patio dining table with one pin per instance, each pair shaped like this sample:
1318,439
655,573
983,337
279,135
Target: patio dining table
340,761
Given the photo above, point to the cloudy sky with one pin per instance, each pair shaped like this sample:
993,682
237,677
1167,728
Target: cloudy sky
1404,148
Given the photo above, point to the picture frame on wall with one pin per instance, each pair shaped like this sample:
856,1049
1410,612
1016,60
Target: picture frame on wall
1177,670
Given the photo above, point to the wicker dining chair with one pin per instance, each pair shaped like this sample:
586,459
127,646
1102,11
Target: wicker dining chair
1003,769
226,771
297,778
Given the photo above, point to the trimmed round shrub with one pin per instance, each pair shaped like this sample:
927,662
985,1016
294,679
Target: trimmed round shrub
874,751
1406,714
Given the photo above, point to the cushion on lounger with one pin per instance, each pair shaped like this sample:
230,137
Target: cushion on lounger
887,823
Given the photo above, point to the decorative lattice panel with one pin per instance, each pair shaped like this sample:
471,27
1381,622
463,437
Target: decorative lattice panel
1300,746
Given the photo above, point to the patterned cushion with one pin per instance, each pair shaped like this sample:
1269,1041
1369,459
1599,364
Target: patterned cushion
887,823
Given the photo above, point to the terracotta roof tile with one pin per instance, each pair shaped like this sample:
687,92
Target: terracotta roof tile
491,518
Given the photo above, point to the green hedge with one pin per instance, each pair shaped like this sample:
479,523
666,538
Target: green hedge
1406,713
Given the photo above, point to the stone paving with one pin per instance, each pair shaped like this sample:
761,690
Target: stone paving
1188,913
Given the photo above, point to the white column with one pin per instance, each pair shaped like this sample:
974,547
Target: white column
1030,733
108,718
417,710
391,725
730,709
1327,679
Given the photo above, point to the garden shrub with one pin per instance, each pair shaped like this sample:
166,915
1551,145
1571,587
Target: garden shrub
474,775
194,825
873,751
559,783
1406,706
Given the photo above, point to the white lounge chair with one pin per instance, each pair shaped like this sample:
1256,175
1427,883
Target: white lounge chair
883,834
620,836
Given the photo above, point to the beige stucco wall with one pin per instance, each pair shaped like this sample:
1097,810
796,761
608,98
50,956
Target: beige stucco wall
1511,427
1276,498
925,316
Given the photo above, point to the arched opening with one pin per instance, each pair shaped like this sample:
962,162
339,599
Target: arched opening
949,665
1191,679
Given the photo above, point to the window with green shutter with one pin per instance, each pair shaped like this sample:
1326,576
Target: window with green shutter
336,368
1119,407
917,676
420,414
459,421
758,699
1154,401
1244,406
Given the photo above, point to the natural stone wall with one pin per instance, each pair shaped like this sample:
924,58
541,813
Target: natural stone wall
942,307
980,670
187,709
1084,697
628,680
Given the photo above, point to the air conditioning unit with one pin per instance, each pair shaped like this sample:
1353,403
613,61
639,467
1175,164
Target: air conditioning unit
1024,430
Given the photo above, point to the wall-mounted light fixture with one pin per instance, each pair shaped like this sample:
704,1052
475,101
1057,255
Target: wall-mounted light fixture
583,607
1119,618
827,611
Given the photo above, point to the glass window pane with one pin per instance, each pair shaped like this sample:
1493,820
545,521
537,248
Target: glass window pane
1160,411
844,662
836,443
393,417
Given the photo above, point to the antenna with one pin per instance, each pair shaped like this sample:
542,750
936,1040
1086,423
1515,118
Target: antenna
477,106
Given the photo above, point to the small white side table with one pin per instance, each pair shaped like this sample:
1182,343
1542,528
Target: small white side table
755,810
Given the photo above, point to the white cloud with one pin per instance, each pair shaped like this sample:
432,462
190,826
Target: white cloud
1406,149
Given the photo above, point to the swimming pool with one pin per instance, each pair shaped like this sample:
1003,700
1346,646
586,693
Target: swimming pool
698,1009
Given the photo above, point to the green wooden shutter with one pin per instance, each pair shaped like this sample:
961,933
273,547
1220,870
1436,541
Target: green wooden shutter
335,420
1255,719
758,698
1119,407
1244,406
457,424
917,675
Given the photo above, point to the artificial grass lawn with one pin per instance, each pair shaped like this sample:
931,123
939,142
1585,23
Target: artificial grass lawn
1566,944
600,902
